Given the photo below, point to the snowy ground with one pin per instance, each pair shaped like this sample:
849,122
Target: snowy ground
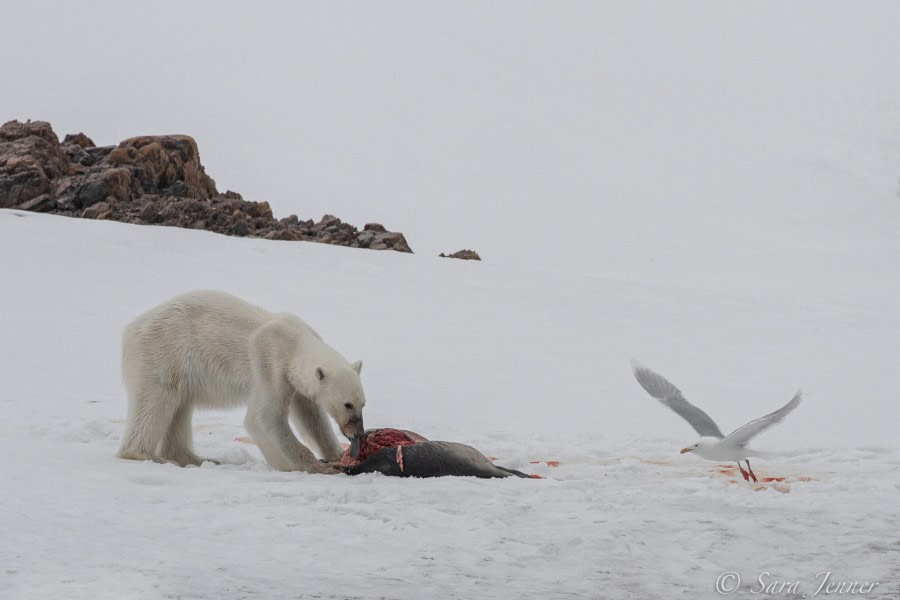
525,365
709,188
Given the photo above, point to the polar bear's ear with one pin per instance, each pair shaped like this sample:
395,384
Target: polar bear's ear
320,374
357,366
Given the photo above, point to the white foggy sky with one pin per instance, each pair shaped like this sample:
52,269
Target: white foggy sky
532,132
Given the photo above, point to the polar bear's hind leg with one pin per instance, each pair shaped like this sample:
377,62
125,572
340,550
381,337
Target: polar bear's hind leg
150,415
177,445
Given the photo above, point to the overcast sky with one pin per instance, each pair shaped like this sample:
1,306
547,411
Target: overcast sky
530,132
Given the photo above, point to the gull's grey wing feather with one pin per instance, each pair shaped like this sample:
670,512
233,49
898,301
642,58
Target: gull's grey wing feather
660,388
742,435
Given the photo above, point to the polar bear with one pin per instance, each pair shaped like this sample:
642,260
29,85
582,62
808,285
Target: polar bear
210,349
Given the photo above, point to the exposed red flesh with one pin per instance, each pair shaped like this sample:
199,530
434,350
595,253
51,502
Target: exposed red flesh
376,439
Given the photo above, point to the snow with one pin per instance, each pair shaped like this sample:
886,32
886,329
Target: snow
522,364
710,189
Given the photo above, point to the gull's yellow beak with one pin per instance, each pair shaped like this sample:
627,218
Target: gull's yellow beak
683,450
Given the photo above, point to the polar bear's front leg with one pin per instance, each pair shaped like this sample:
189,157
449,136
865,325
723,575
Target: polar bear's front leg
315,427
269,428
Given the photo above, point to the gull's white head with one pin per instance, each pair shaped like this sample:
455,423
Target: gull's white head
703,447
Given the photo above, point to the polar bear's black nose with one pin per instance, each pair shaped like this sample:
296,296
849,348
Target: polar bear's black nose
353,427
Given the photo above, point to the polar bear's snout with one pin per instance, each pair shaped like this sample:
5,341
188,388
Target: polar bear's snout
353,430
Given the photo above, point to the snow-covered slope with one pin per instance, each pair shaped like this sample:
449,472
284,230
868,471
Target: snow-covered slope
524,364
709,188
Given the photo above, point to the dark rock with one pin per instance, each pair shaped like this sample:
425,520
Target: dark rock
240,228
100,210
30,160
14,130
149,180
111,185
257,210
291,221
98,154
42,203
149,214
281,234
329,220
79,139
463,254
364,239
161,162
393,240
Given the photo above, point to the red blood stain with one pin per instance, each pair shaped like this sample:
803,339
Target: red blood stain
549,463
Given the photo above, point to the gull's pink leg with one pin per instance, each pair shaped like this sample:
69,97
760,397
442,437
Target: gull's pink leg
755,480
743,472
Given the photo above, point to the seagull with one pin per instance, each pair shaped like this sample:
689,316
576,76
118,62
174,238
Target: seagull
712,445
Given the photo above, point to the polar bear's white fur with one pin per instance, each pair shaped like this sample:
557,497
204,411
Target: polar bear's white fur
210,349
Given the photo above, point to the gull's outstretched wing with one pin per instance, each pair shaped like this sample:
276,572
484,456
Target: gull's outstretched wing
742,435
658,387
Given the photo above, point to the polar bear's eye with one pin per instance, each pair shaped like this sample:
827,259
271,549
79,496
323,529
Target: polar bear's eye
348,405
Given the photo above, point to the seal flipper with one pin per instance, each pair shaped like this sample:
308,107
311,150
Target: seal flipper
514,472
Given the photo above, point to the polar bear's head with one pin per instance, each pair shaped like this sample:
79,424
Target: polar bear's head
341,395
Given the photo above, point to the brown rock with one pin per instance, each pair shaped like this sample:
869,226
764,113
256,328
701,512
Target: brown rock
162,162
149,214
328,220
291,221
463,254
79,139
30,160
240,228
111,185
256,210
149,180
96,211
393,240
42,203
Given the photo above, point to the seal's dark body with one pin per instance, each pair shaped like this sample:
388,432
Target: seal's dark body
431,459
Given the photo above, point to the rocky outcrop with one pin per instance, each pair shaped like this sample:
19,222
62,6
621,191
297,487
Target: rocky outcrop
463,254
150,180
31,163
